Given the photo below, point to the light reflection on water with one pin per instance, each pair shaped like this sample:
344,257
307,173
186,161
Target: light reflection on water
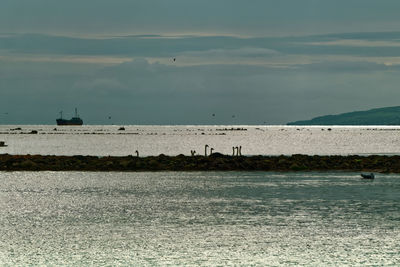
200,218
104,140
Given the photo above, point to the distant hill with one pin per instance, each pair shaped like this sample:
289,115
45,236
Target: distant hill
378,116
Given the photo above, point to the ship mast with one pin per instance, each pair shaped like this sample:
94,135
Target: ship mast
60,114
76,113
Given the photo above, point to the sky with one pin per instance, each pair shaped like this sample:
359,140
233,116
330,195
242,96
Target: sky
246,62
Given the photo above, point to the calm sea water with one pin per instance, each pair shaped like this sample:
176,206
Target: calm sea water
192,219
173,140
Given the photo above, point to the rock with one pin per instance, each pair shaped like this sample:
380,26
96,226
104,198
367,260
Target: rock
297,167
217,155
216,161
28,164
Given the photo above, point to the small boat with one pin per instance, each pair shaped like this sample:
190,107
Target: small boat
370,176
74,121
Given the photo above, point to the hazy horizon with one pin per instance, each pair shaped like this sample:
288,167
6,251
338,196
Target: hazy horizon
264,62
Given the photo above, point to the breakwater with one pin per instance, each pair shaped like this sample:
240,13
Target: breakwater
215,162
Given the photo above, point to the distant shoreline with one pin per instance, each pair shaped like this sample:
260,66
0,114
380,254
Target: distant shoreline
215,162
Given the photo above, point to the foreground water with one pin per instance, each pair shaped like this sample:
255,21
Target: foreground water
191,219
100,140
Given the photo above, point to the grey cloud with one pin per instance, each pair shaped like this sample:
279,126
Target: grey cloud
299,71
140,92
101,87
346,67
134,46
241,52
229,16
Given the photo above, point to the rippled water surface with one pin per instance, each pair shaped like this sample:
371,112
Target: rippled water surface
173,140
191,219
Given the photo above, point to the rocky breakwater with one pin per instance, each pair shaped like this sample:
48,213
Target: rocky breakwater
215,162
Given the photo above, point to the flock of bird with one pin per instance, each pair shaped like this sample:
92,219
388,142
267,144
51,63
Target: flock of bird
236,151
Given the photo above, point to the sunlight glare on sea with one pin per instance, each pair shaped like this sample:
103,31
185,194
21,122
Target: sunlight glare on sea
199,218
100,140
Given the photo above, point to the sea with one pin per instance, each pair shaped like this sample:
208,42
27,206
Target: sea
101,140
199,218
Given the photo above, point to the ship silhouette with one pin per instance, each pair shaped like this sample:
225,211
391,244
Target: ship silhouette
74,121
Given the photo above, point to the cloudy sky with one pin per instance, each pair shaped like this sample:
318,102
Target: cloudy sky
247,62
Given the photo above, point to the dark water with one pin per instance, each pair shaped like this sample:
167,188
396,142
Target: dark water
191,219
